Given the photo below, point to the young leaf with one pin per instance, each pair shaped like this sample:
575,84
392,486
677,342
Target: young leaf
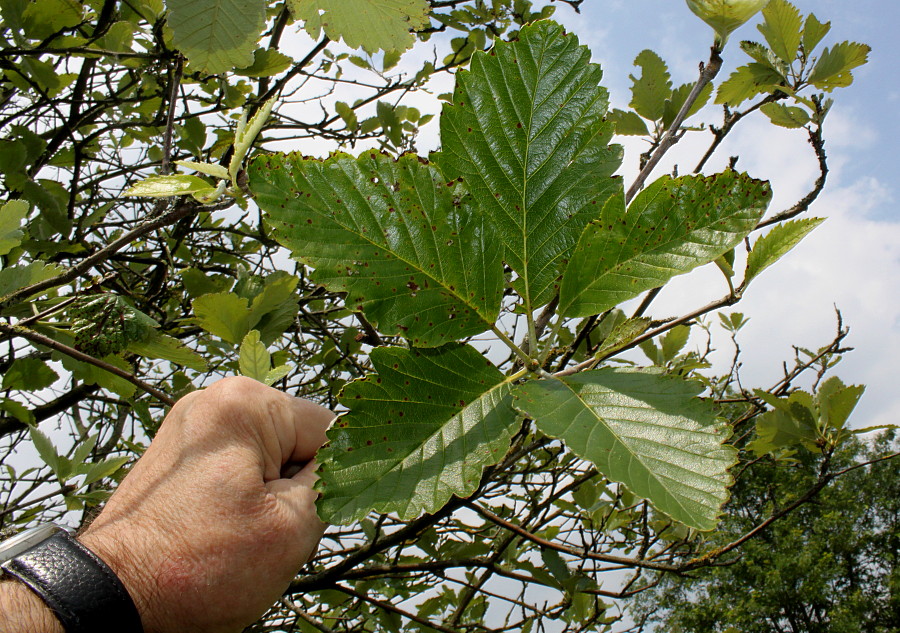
622,334
410,253
813,32
782,29
216,35
674,341
526,133
11,215
836,402
647,431
406,446
650,92
777,429
383,25
724,16
167,186
676,101
254,360
216,171
628,123
223,314
47,452
785,116
748,81
776,243
106,468
833,70
672,227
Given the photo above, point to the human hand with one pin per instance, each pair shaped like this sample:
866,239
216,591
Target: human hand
206,531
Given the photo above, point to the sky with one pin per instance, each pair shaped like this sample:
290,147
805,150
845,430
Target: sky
852,261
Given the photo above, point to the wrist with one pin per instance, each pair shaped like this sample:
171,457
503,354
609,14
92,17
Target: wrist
22,611
124,564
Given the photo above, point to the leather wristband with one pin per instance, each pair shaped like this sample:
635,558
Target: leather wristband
81,590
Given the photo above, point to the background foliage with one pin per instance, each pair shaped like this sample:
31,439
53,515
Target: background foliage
136,267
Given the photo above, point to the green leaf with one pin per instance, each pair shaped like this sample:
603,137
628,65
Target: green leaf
167,186
216,35
674,104
47,452
43,18
748,81
29,374
785,116
777,429
782,29
267,62
836,402
223,314
674,341
526,133
647,431
628,123
216,171
254,360
106,468
724,16
621,335
408,444
410,253
650,91
15,277
11,215
671,227
834,65
372,26
772,246
17,410
165,347
813,32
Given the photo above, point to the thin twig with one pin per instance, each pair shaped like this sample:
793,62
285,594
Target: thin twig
40,339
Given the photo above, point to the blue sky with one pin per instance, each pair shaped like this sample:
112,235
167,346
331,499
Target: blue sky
852,261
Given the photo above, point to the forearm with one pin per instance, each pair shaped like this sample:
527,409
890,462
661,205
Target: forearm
22,611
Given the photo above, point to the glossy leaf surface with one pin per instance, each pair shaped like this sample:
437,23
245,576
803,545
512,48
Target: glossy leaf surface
405,246
776,243
408,442
671,227
526,132
647,431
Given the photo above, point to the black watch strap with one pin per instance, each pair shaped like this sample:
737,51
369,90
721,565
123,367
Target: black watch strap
82,591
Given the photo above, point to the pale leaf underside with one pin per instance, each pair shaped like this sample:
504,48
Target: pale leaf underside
647,431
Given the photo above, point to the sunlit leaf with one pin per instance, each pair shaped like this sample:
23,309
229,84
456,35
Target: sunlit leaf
650,91
411,254
167,186
782,29
526,132
11,215
671,227
647,431
382,25
833,70
216,35
772,246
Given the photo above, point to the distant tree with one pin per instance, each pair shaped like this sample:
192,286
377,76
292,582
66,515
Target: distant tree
831,566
